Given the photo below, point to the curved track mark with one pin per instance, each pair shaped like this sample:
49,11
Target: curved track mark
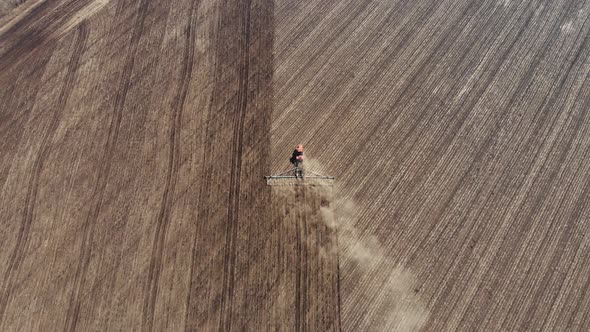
104,172
35,30
237,110
229,259
19,251
163,220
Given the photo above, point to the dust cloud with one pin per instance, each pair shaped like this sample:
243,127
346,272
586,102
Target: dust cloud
377,294
384,290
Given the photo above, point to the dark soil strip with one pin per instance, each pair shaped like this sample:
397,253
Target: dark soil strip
229,259
18,252
33,33
236,157
173,165
113,134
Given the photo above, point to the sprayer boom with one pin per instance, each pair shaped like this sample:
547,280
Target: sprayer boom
299,176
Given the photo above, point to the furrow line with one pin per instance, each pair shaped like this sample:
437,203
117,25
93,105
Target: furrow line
163,219
18,253
88,227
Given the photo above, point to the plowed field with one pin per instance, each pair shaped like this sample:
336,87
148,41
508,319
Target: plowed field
135,134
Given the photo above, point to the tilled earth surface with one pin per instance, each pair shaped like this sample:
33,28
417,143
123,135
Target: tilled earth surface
135,134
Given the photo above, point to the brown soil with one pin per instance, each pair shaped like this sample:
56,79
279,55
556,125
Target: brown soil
6,6
135,134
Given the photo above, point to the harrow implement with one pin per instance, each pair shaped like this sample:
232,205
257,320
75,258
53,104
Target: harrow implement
298,176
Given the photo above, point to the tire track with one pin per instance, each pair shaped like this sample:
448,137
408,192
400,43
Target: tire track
234,160
229,260
338,278
226,116
88,227
191,316
299,309
163,220
30,35
18,253
303,264
16,108
307,296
